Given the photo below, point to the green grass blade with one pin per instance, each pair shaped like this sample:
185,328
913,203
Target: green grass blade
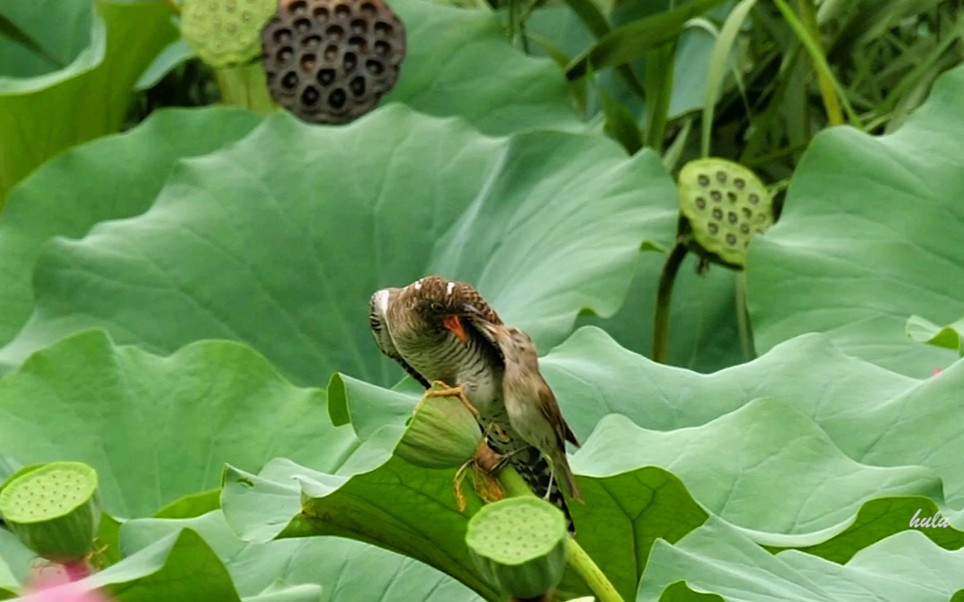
820,64
718,61
634,40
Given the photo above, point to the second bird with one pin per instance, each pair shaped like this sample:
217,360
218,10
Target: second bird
531,405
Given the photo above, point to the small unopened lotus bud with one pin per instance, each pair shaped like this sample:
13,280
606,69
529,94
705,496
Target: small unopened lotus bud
441,434
53,509
519,545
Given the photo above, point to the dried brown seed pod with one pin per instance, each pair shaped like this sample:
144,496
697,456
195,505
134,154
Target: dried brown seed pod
330,61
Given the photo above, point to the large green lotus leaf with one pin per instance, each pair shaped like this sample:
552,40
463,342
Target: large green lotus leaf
44,113
950,336
43,36
876,417
703,328
870,236
593,377
179,567
717,558
114,177
460,62
15,560
876,520
413,511
157,428
346,570
764,467
280,240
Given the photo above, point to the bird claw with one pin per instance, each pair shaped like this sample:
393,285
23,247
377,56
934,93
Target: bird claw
446,391
552,476
482,465
499,432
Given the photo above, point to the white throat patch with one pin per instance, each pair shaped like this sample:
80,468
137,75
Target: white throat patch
381,301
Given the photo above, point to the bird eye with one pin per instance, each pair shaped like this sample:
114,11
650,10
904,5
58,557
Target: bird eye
437,307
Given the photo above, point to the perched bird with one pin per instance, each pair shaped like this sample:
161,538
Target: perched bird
437,330
531,405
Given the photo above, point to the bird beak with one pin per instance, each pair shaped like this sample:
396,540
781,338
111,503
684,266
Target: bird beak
453,323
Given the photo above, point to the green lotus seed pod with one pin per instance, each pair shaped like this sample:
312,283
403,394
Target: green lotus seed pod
519,545
53,509
725,205
224,33
441,434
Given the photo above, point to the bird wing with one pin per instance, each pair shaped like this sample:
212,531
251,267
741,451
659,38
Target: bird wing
468,296
476,314
550,409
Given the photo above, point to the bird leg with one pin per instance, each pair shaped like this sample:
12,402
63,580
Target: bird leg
503,459
440,389
552,475
482,465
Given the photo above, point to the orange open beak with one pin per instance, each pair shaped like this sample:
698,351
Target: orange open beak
455,325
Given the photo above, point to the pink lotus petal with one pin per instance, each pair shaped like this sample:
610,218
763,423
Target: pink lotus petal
936,372
54,582
68,592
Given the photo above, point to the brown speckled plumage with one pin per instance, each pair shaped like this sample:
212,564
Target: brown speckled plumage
531,405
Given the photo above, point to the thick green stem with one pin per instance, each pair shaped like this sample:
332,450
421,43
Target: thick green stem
245,86
663,296
743,318
578,560
584,566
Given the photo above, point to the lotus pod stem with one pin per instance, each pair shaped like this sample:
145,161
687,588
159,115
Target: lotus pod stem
578,559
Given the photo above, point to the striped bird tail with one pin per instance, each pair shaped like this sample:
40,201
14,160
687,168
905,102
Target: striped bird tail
536,472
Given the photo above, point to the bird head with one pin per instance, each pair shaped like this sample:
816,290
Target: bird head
433,307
